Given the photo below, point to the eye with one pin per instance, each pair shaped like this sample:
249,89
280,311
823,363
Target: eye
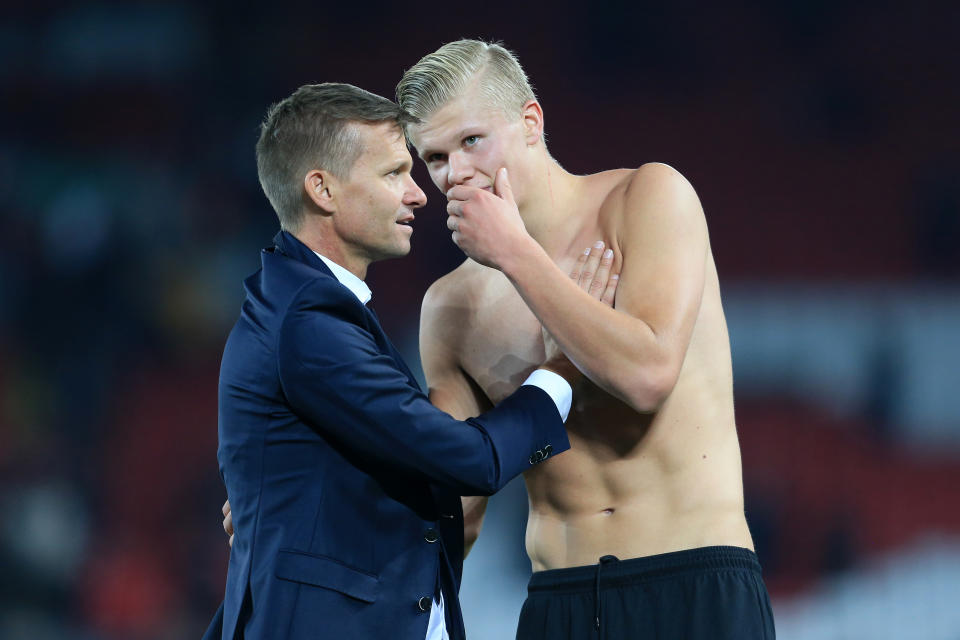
471,140
435,157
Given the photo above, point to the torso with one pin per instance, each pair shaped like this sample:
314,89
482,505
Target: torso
632,484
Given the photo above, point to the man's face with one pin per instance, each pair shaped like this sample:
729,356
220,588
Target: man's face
465,143
377,198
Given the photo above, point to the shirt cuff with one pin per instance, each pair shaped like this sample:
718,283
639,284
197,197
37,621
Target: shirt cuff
556,387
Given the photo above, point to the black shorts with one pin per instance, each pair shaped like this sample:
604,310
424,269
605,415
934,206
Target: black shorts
711,592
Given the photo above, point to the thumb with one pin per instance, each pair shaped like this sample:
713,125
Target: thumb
501,186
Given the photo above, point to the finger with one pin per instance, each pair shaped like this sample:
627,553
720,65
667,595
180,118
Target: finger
591,266
455,208
600,279
228,524
225,508
578,266
610,292
231,540
455,236
501,185
453,223
462,192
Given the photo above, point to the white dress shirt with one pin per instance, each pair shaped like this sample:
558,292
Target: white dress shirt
556,387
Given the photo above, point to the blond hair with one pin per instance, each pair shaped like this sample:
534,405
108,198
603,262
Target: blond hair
446,74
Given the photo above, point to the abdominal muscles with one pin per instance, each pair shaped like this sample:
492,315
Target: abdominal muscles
636,485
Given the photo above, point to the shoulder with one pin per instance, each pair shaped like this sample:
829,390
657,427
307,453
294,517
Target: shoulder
653,190
652,181
458,289
322,299
284,285
449,308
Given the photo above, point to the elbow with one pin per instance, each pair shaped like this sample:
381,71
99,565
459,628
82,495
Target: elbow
651,388
473,511
470,535
471,531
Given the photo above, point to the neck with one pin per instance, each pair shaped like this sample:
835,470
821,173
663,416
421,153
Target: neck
327,244
549,210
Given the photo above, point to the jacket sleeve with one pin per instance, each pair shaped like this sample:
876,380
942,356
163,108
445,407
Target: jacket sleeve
337,380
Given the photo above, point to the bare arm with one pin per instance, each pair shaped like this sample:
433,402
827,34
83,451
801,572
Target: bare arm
449,387
636,350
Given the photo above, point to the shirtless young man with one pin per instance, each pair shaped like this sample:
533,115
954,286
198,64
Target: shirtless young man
639,530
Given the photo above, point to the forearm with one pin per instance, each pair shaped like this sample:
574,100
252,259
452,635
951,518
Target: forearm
620,353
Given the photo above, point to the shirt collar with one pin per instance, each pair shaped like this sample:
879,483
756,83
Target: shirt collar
347,279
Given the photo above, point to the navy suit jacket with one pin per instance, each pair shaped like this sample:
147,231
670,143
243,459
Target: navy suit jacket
343,479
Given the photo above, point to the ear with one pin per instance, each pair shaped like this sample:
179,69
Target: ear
317,184
532,115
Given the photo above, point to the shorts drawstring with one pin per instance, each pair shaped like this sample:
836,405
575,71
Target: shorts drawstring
603,560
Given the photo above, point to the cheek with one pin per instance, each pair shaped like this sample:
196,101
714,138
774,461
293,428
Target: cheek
439,178
490,159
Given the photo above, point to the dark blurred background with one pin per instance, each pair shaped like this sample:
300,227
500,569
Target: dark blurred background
822,138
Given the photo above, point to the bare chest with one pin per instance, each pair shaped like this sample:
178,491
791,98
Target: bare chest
503,343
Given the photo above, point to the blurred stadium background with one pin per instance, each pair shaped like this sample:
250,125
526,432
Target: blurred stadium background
823,140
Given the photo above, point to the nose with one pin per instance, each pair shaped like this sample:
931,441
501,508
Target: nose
459,169
414,197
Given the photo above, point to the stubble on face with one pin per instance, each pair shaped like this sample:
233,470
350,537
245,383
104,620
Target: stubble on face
373,199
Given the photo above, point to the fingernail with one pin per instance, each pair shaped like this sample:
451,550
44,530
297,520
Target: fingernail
608,253
614,277
599,245
586,251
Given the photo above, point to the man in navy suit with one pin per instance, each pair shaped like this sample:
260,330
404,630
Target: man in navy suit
344,481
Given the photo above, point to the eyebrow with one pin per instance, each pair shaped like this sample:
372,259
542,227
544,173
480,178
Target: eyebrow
459,136
402,164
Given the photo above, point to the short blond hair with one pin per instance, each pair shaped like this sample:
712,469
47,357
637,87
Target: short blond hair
446,73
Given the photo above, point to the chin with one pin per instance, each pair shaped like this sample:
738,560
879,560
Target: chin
402,250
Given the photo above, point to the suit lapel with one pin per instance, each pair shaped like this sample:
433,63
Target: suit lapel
288,245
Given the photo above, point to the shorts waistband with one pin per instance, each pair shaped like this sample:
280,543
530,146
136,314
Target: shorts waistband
618,573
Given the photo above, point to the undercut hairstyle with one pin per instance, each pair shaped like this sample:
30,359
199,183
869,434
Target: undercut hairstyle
446,74
312,129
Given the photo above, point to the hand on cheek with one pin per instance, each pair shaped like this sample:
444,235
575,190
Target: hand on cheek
487,227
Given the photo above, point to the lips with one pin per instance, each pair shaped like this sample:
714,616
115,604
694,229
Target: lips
405,220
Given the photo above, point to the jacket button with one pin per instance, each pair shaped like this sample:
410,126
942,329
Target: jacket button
424,603
533,459
431,535
547,450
